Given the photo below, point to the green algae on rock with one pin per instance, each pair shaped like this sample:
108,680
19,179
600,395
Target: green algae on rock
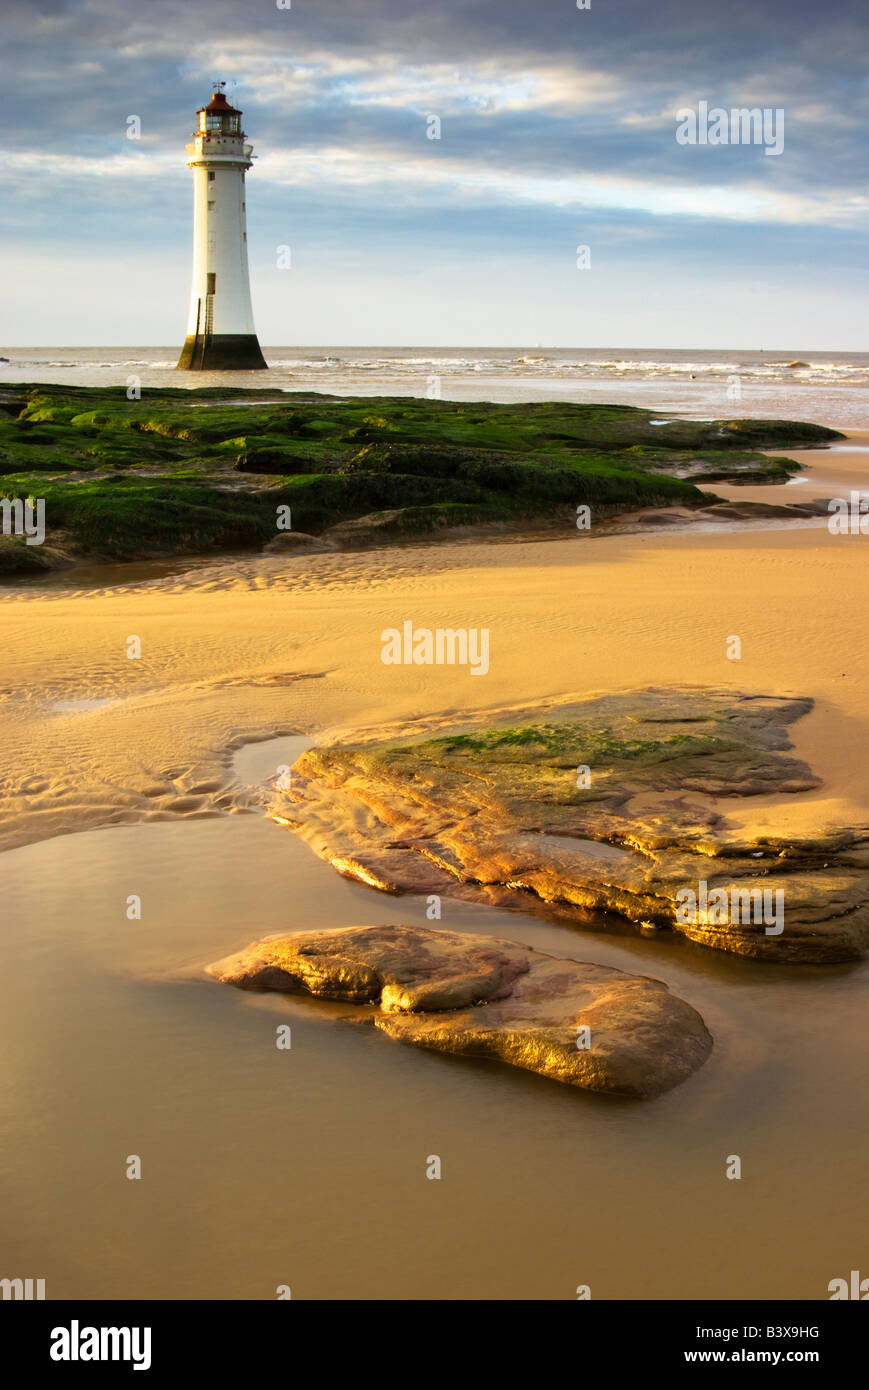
179,471
506,810
583,1025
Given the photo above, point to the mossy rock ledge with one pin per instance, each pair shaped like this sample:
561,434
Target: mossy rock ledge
481,997
181,472
501,814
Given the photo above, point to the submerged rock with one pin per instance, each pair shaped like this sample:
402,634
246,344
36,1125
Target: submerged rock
482,997
616,804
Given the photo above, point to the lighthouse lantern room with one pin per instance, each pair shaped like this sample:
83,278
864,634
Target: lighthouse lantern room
220,329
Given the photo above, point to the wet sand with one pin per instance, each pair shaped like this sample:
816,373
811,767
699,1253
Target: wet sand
307,1167
253,648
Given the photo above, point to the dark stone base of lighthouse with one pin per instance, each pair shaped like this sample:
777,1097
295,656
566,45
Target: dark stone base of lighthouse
222,352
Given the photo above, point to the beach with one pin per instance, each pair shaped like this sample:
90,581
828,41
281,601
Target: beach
255,647
434,689
307,1168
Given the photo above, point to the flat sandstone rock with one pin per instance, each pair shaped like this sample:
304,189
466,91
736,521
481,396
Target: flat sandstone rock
614,804
481,997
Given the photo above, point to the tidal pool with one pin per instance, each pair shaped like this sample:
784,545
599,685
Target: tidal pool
307,1166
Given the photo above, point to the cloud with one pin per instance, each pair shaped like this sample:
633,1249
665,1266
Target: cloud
554,120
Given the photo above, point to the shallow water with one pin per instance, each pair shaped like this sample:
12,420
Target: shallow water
307,1167
106,574
596,849
823,386
254,764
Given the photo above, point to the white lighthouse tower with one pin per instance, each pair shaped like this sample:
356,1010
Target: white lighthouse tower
220,331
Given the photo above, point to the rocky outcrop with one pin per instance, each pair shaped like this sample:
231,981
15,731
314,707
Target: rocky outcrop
278,461
583,1025
296,542
616,804
728,515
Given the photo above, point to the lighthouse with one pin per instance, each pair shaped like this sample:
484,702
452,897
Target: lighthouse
220,332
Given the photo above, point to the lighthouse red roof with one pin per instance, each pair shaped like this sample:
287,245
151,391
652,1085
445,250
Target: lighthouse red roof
218,105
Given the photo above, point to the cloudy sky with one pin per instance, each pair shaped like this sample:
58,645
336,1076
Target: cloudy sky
557,131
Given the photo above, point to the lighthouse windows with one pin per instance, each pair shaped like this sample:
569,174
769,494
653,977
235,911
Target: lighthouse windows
211,205
211,176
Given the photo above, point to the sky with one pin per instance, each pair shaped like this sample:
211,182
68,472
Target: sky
557,131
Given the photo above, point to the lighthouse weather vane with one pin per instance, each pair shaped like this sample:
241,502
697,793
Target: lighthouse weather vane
220,328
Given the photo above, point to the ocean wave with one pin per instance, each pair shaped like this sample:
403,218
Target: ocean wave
560,368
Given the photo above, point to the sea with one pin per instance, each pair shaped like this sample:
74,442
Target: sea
830,388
